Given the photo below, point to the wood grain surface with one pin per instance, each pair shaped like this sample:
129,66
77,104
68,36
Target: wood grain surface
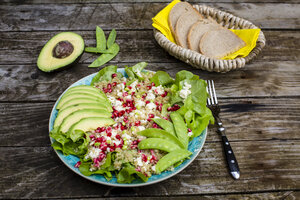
260,104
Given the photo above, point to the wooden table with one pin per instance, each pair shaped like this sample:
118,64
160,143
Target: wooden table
260,103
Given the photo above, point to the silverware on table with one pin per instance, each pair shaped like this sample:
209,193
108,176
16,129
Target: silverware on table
212,104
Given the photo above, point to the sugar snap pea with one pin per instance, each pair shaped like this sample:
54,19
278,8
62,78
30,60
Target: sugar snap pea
170,159
100,38
104,58
158,133
96,50
165,124
180,128
111,38
158,143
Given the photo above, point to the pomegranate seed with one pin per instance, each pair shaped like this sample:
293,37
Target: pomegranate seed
153,84
137,123
109,129
95,160
149,87
138,169
154,125
147,102
108,134
102,129
124,83
126,120
156,103
118,137
121,113
169,109
114,84
129,87
125,94
77,165
105,90
109,86
151,115
133,93
114,75
92,137
149,120
144,157
165,118
109,91
122,127
138,85
133,108
164,94
152,152
189,130
130,109
134,142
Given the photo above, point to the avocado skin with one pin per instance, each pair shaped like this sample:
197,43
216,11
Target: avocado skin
72,62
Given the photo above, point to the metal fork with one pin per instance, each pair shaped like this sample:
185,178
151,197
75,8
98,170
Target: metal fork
212,104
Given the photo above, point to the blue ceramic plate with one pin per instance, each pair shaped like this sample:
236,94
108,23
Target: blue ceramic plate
195,147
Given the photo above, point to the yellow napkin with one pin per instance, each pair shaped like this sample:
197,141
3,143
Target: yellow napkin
249,36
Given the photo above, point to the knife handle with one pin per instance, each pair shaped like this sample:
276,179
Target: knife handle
231,160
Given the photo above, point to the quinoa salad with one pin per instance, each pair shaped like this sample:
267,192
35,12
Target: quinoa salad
132,126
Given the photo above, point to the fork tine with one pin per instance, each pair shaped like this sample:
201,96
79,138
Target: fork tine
210,92
214,92
208,99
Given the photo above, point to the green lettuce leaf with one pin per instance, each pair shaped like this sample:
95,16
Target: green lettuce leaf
128,173
161,78
104,74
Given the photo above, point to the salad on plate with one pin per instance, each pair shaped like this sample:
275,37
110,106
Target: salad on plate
132,126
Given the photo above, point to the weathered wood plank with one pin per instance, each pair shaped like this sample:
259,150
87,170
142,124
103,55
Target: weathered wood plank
24,47
17,2
131,16
29,172
289,195
27,83
244,119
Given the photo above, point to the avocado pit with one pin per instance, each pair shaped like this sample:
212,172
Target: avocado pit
62,49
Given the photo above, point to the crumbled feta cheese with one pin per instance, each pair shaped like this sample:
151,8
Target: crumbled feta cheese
139,161
150,95
153,168
140,103
125,135
133,85
185,91
120,94
143,121
120,86
141,128
160,90
123,78
150,106
94,152
114,133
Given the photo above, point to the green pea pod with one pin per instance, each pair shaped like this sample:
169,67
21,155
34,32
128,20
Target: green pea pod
96,50
100,38
171,158
158,143
165,124
180,128
158,133
104,58
111,38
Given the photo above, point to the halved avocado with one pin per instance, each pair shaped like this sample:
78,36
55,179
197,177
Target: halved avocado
66,98
91,123
85,100
60,51
80,114
63,113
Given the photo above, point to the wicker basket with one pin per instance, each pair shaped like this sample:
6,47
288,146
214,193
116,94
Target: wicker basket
210,64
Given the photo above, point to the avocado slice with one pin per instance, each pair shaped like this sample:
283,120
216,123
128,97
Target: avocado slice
63,113
91,123
88,92
85,88
60,51
80,114
68,97
85,100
